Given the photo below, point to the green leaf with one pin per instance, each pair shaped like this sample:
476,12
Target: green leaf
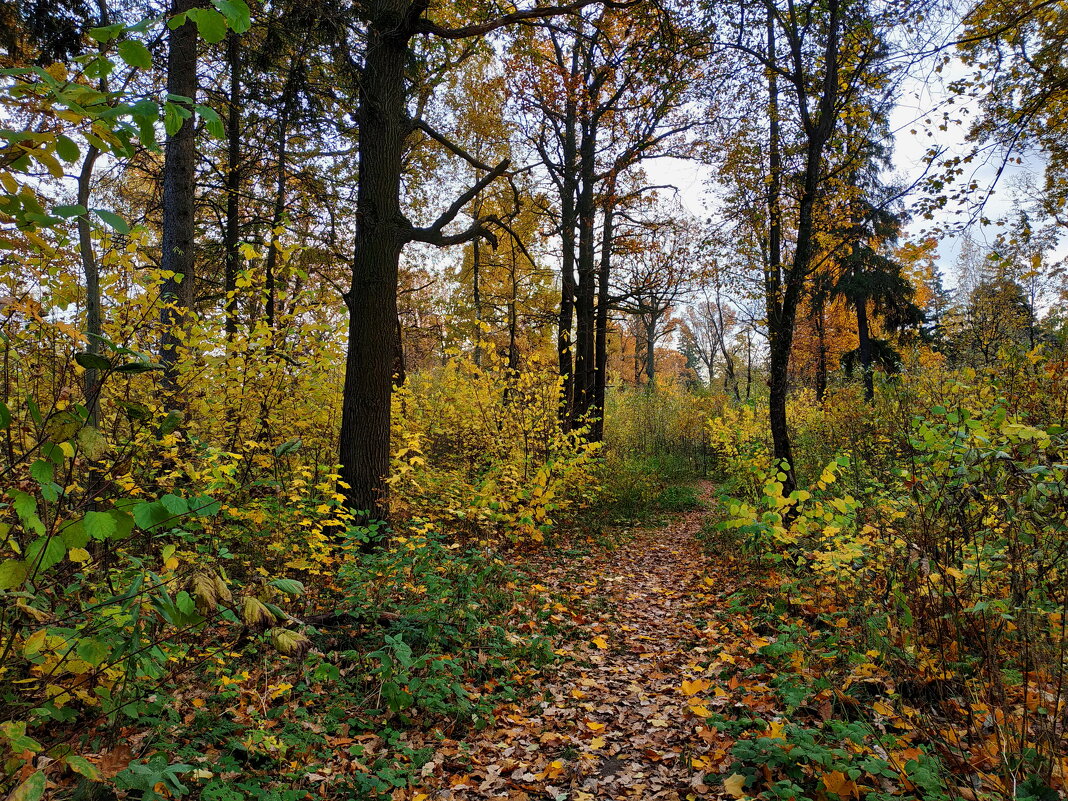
134,410
5,416
16,735
12,574
92,361
43,472
124,524
288,586
150,515
237,14
114,220
35,410
74,534
99,525
30,790
44,552
66,212
81,764
210,24
25,507
175,505
135,54
288,447
184,601
174,116
106,33
212,120
170,422
204,506
136,368
67,149
92,651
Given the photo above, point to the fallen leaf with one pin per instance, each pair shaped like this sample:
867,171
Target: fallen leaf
694,687
838,783
733,785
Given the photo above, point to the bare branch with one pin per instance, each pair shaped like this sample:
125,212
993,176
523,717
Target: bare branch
449,145
434,234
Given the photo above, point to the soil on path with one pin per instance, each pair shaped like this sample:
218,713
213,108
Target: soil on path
623,713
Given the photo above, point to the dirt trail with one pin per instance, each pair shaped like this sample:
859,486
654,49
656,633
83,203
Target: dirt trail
614,719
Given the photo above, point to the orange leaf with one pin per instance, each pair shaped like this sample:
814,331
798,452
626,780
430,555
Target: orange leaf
694,687
836,782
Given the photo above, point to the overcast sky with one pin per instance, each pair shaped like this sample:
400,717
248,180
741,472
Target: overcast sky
922,97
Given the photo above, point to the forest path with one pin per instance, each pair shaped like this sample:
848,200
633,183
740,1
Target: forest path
622,715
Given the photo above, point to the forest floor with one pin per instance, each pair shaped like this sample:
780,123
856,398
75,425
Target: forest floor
622,714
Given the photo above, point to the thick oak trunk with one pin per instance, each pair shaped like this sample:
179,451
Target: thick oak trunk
372,298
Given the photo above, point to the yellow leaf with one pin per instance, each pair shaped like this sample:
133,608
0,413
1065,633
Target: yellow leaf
775,730
694,687
600,642
885,710
700,710
593,725
733,785
597,743
78,555
837,783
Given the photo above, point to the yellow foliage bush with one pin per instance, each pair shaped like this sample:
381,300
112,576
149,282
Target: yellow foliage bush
480,452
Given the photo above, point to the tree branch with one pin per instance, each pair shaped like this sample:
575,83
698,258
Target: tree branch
448,144
434,234
530,14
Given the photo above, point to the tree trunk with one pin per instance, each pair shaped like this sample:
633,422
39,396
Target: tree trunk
585,292
381,234
232,235
278,214
568,224
476,289
650,350
864,349
601,345
91,269
821,354
178,259
780,318
748,363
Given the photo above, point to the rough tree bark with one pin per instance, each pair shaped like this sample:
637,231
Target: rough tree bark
232,234
178,257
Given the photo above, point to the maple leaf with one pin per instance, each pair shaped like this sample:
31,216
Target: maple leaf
699,709
600,642
838,783
694,687
733,785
